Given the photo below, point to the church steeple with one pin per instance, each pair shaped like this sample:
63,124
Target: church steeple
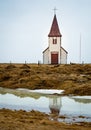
54,31
55,53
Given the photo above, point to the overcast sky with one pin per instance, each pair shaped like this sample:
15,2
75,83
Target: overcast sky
25,24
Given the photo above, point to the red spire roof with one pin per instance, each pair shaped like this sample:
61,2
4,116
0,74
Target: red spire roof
54,31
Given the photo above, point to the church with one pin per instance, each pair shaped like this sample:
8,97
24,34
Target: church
54,53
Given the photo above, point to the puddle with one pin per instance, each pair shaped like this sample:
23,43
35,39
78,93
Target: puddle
65,108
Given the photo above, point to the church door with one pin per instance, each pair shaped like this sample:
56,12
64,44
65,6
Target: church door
54,58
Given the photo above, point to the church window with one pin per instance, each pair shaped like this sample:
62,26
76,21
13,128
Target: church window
54,41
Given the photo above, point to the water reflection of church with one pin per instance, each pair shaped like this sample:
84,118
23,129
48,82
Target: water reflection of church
55,105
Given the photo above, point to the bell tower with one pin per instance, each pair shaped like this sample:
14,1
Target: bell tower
54,40
54,53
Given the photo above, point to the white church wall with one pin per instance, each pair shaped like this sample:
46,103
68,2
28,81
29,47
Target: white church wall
54,47
63,57
45,57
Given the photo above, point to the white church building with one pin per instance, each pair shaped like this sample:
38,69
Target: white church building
54,53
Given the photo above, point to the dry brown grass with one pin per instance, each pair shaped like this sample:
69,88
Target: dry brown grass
74,79
34,120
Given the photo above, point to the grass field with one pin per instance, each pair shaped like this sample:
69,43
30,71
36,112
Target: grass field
73,78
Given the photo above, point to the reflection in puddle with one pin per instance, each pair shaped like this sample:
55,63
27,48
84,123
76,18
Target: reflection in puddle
61,108
55,107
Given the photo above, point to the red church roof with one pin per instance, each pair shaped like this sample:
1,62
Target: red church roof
54,31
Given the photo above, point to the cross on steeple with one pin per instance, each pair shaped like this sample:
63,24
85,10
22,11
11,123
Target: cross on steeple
54,10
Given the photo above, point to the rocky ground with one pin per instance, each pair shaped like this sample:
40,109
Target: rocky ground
73,78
